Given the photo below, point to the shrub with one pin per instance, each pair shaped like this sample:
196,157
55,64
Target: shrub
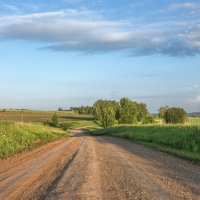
55,120
148,120
47,123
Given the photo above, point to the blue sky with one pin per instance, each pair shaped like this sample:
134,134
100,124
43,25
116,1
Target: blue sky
73,52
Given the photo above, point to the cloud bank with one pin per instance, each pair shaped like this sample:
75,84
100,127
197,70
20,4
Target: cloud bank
87,32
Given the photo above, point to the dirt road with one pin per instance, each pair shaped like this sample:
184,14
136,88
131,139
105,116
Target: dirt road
85,167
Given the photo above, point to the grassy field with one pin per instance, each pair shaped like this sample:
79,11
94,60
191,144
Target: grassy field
194,121
183,141
41,116
67,120
16,137
25,130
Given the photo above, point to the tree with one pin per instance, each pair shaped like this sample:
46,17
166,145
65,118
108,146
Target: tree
162,111
175,116
108,117
105,112
101,104
60,109
127,113
148,120
55,120
142,112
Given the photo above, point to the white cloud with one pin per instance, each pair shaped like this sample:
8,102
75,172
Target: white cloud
196,100
194,87
186,5
87,32
10,7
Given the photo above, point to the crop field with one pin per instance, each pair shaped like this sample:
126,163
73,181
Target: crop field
40,116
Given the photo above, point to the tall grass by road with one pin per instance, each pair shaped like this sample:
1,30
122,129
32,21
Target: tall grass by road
16,137
183,141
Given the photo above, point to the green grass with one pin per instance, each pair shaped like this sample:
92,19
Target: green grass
78,124
41,116
183,141
194,121
15,137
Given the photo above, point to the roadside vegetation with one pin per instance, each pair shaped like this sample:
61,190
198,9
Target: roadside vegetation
180,140
22,130
16,137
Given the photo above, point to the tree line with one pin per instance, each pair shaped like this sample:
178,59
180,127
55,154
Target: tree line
82,109
126,111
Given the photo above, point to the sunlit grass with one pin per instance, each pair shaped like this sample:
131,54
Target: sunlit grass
182,140
16,137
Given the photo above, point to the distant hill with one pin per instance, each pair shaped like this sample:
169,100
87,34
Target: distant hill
194,114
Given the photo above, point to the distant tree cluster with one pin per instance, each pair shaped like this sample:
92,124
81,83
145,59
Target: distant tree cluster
82,109
125,111
173,115
60,109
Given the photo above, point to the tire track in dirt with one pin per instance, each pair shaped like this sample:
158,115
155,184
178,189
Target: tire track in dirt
26,179
81,180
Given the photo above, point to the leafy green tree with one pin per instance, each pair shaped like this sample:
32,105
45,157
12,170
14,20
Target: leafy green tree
175,116
105,112
127,113
55,120
142,112
148,120
162,111
101,104
108,117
